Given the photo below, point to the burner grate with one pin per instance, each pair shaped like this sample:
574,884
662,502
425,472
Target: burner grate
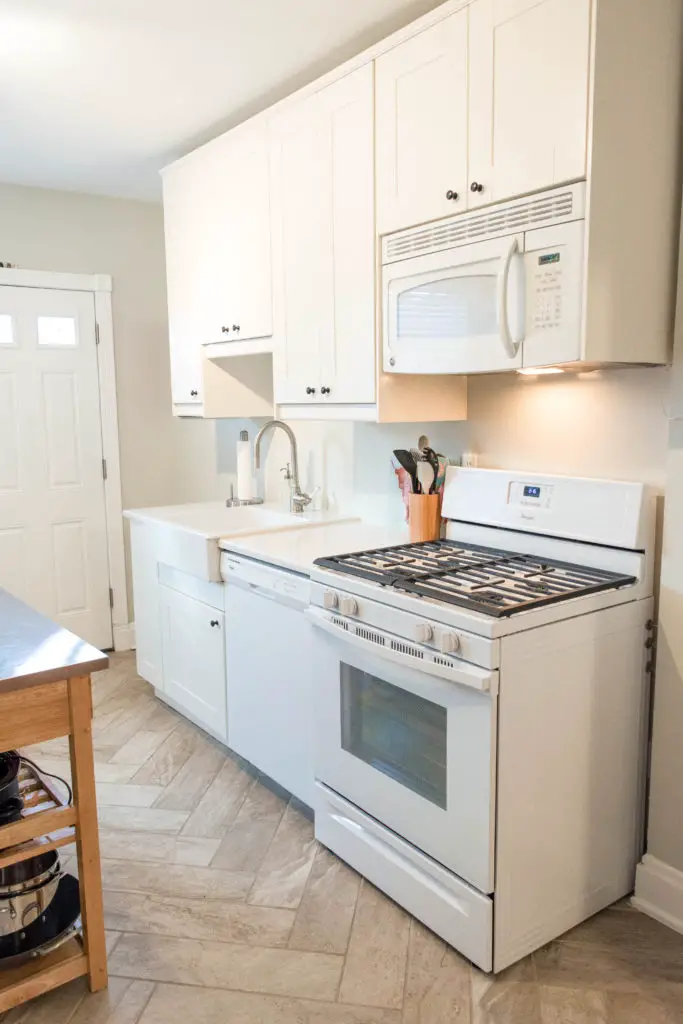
488,580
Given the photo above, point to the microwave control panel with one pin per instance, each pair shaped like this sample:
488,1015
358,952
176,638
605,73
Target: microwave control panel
547,286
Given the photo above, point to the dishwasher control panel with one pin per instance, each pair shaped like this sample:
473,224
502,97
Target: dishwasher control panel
268,579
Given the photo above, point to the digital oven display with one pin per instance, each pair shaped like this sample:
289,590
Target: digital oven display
532,491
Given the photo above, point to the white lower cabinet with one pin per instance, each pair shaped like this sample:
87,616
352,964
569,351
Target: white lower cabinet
193,651
146,598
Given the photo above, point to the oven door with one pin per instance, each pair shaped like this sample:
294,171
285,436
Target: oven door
453,311
415,751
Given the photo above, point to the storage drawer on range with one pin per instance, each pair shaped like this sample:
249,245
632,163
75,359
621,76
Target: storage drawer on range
450,907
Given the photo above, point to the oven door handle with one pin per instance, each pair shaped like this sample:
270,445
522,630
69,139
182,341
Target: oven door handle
463,673
509,344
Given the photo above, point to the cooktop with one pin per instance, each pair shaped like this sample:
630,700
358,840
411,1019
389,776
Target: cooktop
488,580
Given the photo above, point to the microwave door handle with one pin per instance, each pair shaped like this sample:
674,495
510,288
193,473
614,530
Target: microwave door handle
509,344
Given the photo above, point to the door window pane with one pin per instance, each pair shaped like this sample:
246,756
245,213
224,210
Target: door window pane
6,333
395,732
455,307
57,331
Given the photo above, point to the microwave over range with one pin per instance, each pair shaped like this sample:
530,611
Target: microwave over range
497,289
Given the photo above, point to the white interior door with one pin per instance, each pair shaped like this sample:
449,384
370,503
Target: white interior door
53,535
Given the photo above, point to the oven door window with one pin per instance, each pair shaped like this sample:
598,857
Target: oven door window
395,732
448,309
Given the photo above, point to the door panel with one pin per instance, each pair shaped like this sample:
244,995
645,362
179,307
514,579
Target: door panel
234,177
396,715
441,310
529,77
348,329
187,222
53,539
421,104
194,659
298,190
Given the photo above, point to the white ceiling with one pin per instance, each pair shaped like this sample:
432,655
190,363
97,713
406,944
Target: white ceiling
98,95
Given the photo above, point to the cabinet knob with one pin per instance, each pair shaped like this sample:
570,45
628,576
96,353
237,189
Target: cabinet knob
476,187
452,195
310,391
193,393
324,391
225,330
215,622
235,327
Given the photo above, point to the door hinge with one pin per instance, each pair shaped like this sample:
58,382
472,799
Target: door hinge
111,597
97,333
104,469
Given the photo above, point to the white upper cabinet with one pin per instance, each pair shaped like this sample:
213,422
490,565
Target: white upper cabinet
422,117
490,103
218,259
186,216
239,269
323,233
529,81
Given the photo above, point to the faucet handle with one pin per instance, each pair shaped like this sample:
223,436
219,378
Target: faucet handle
287,470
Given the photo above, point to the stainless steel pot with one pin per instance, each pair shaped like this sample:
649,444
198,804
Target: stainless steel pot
23,901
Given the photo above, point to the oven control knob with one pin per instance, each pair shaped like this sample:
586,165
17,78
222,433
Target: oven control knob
348,606
449,643
423,633
330,600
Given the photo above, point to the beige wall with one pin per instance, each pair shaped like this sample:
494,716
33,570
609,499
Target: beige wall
665,830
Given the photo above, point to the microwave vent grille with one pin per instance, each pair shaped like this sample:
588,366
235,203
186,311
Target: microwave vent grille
536,212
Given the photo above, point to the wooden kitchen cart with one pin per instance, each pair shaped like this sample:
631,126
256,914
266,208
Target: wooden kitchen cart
44,694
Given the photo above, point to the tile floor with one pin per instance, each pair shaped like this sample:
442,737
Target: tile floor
222,909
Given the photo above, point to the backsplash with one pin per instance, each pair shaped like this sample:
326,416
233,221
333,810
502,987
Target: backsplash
611,424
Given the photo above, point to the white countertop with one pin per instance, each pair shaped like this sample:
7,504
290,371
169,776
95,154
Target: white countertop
213,519
298,549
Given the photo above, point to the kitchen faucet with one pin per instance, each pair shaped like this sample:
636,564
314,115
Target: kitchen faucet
298,499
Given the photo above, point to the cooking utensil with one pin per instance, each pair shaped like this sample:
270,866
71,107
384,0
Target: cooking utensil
55,926
433,460
407,461
9,775
26,901
427,462
10,810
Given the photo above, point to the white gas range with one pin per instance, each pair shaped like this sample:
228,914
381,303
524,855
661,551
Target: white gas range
481,708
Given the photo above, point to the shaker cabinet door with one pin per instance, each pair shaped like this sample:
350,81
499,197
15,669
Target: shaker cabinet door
529,79
299,191
187,217
323,245
421,107
238,272
193,649
348,355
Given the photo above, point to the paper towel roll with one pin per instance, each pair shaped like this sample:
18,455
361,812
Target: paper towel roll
246,485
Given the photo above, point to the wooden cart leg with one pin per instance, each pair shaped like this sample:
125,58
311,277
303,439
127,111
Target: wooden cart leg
87,839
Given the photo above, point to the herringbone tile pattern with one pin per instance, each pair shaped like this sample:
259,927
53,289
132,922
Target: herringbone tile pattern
222,909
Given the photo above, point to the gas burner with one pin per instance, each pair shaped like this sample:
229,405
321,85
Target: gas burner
489,580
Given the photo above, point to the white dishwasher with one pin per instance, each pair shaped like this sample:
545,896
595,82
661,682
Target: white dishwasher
269,671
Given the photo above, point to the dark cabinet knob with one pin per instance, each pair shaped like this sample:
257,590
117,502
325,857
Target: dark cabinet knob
235,327
214,623
310,391
476,187
225,330
193,393
324,391
452,195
